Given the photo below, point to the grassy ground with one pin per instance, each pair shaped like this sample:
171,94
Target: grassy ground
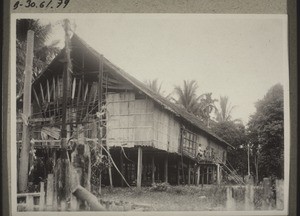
175,198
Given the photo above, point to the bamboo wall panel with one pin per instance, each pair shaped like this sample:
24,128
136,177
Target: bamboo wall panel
166,131
120,129
138,122
219,151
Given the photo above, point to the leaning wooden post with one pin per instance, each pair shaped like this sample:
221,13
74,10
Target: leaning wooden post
139,168
24,156
100,78
109,169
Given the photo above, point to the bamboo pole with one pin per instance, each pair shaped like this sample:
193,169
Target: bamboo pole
100,145
24,156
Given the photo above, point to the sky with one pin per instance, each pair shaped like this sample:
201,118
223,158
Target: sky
229,55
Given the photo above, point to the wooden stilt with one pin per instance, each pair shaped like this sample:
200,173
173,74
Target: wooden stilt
78,93
109,171
139,168
122,167
152,169
213,179
218,174
207,175
54,89
166,169
178,173
198,175
189,173
202,177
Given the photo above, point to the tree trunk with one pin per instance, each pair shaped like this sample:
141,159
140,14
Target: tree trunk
24,155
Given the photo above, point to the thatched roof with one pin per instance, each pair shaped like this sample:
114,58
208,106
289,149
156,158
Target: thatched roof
166,104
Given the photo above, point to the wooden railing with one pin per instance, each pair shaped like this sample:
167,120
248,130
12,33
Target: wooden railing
27,201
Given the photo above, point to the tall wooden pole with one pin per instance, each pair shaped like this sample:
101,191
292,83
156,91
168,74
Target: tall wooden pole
66,84
65,163
24,156
100,144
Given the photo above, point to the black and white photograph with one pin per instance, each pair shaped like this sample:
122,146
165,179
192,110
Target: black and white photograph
152,113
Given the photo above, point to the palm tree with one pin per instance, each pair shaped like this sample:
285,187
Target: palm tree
154,85
207,105
224,113
187,96
43,54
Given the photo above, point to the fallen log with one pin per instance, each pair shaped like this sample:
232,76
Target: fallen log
83,194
